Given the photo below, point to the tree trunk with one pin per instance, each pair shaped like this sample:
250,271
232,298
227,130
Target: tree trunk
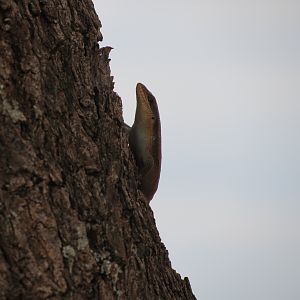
73,223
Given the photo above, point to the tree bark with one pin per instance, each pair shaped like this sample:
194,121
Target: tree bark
73,223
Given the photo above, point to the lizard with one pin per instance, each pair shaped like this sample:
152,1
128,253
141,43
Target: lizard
145,140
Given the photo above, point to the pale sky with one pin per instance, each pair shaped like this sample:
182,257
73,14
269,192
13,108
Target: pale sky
226,75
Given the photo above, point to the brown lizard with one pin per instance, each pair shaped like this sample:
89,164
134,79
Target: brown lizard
145,140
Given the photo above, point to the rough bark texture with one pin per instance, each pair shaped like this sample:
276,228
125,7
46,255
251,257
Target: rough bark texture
73,224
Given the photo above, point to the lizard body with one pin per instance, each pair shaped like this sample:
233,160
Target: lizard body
145,140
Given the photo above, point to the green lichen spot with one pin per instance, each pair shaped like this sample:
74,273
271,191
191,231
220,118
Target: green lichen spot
12,110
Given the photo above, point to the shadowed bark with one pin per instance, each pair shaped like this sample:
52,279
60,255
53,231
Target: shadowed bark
73,223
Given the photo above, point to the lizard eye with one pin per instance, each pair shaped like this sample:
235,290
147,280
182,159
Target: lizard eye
153,118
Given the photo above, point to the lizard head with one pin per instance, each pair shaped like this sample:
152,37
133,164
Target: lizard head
146,104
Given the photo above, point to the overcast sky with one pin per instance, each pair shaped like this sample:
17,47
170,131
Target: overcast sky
226,75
